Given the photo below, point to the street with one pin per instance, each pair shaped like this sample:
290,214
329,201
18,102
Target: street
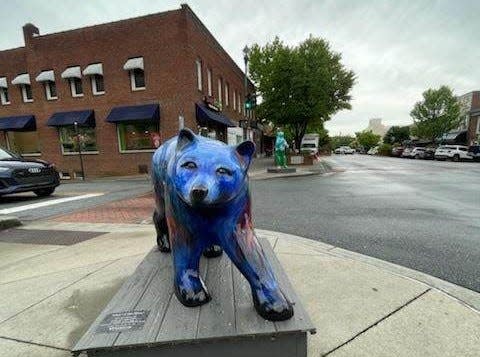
420,214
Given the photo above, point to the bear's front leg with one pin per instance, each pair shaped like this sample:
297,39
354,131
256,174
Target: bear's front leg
246,253
186,250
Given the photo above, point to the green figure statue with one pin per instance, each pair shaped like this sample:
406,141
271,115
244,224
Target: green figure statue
280,146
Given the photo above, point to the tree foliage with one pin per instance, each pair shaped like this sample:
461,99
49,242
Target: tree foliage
344,140
367,139
300,86
397,134
436,114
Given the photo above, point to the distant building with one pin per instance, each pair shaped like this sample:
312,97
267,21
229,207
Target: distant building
469,128
375,125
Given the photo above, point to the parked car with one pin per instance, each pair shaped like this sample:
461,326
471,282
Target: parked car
474,152
406,152
453,152
417,152
344,150
427,154
397,151
18,174
373,151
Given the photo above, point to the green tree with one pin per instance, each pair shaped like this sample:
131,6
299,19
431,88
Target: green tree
397,134
300,86
436,114
367,139
344,140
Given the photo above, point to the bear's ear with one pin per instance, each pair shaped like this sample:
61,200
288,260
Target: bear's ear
246,151
185,138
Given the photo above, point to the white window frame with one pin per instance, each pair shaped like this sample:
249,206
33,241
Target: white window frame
3,97
219,89
227,90
209,82
234,100
132,80
93,82
73,90
48,90
478,124
198,65
23,88
239,100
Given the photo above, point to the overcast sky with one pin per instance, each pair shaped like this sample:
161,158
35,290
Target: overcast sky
397,48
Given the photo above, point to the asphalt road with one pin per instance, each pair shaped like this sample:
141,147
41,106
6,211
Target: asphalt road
424,215
107,190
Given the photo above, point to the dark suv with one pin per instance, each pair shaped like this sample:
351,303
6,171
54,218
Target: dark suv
18,174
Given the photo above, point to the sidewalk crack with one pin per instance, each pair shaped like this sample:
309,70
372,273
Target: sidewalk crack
33,343
377,322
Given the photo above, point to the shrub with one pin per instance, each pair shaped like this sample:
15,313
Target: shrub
385,150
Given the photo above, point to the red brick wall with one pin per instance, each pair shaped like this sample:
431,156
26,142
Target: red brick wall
169,42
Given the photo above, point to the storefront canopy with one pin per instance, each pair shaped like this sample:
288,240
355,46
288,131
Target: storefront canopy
204,115
133,63
21,79
93,69
147,112
18,123
46,76
72,72
82,117
455,137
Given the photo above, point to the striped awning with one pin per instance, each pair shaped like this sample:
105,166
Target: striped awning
23,78
46,76
93,69
133,63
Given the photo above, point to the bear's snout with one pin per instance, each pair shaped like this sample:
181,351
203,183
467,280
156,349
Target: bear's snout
198,194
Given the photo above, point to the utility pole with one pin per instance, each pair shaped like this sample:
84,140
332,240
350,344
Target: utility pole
77,134
246,52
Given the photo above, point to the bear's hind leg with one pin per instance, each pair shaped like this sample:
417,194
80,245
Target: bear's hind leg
161,228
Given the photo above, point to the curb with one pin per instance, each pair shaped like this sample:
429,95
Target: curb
9,222
467,297
322,168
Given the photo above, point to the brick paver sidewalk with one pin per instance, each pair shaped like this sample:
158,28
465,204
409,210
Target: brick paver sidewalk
132,210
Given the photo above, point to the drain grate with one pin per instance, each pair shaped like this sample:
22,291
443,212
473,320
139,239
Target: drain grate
31,236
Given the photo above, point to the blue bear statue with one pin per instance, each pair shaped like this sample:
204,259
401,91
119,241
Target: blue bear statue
203,206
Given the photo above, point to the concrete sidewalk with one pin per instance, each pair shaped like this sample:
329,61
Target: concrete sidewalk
50,294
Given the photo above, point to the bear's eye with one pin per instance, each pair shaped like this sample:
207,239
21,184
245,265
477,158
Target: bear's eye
224,171
189,165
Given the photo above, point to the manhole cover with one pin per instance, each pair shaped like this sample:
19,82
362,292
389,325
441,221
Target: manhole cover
31,236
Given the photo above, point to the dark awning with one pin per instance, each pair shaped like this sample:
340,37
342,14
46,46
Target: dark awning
455,137
204,115
147,112
18,123
82,117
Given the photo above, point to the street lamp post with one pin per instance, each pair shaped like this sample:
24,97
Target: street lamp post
77,134
246,52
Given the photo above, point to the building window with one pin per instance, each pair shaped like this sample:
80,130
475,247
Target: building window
227,94
25,143
137,79
76,87
209,81
234,99
98,87
27,95
50,90
219,95
198,66
239,103
137,136
4,96
69,141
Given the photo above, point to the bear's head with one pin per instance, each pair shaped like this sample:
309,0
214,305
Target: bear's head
208,172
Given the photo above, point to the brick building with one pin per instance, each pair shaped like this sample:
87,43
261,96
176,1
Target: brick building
128,86
470,126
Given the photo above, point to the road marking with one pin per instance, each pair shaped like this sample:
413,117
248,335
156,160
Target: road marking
47,203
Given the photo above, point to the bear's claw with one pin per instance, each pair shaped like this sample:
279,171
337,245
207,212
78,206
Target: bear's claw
276,309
